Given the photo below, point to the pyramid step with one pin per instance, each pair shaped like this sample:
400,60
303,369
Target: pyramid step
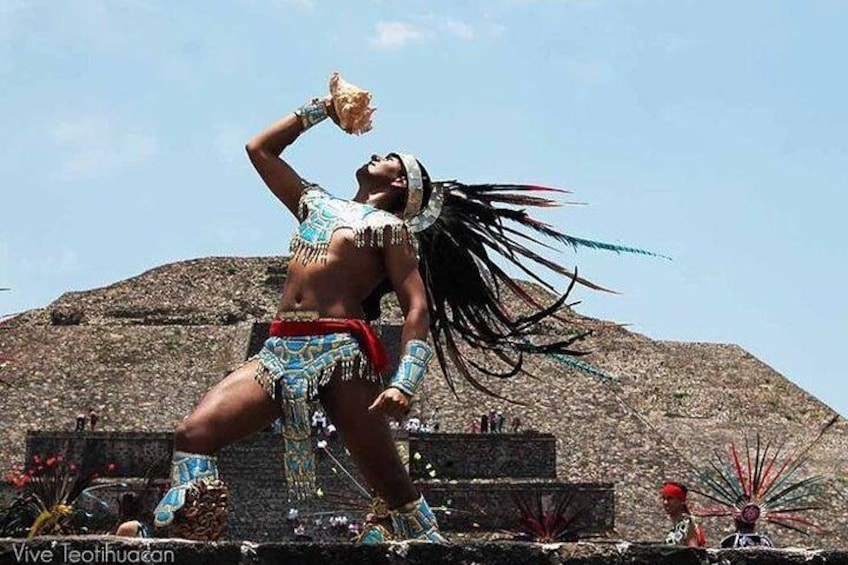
486,456
487,505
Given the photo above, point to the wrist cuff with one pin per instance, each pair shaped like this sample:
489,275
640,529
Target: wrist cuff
311,113
412,367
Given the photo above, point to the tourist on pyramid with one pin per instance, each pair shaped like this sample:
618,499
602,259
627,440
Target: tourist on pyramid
82,418
430,243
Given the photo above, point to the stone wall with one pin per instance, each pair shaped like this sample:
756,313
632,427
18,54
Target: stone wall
173,332
482,456
588,509
134,454
103,550
7,494
253,469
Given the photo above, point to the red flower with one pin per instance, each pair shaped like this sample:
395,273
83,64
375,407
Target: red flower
111,467
72,467
50,462
36,459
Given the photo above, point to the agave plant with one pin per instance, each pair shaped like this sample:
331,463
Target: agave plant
549,516
48,503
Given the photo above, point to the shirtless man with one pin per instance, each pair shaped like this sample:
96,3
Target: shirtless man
434,244
320,343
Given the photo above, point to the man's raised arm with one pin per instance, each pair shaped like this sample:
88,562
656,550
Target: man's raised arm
264,150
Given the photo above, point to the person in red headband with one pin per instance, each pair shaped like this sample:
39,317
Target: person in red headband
685,530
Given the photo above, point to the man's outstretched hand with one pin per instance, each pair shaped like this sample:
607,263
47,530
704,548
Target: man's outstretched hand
391,402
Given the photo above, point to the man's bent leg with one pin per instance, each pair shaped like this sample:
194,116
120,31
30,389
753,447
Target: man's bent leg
369,441
195,507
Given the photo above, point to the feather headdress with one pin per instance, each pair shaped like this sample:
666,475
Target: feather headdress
477,226
762,483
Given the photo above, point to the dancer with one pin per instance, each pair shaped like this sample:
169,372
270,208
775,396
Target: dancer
746,534
430,244
762,482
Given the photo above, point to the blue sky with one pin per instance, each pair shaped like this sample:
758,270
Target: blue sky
713,132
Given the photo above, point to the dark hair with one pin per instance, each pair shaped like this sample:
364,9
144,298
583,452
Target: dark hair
743,526
467,289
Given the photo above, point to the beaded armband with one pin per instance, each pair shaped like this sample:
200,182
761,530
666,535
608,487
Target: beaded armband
311,113
413,365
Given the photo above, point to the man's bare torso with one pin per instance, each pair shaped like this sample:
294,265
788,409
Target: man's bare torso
335,287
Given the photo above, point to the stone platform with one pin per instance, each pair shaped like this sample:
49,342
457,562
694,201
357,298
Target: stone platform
474,486
109,550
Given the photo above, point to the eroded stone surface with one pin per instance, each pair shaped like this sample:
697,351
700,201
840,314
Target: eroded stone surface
108,550
176,330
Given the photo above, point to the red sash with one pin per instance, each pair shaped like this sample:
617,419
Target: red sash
359,329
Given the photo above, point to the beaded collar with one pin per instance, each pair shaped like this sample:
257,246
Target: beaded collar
321,214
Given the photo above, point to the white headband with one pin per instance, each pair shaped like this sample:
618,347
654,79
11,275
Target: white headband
417,218
414,185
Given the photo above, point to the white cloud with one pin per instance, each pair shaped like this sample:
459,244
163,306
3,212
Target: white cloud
94,147
459,29
308,4
396,34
